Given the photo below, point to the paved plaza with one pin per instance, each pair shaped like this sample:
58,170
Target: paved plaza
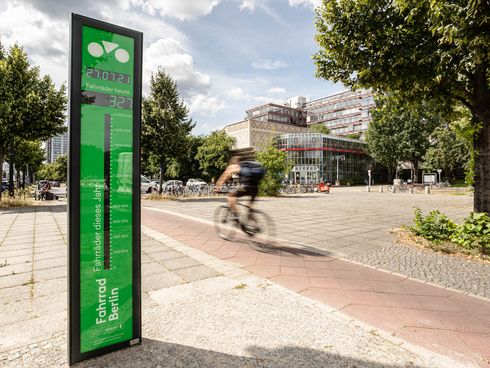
212,303
357,225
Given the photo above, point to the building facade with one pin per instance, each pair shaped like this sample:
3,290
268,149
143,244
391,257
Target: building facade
56,146
255,134
330,158
343,113
278,114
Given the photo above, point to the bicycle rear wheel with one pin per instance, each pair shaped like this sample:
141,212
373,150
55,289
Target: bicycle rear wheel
260,229
224,223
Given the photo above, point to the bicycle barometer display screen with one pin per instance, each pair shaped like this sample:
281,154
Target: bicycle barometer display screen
106,173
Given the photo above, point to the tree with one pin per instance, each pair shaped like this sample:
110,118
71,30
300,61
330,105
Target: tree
353,135
465,129
400,131
165,123
447,152
214,154
61,168
189,166
319,128
277,165
29,158
417,49
32,108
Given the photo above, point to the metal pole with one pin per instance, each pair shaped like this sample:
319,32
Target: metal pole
338,158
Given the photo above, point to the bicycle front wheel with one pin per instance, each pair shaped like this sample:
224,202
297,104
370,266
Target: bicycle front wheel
224,223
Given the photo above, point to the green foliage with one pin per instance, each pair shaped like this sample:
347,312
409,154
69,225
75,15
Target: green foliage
466,129
189,166
353,136
214,154
418,49
447,152
319,128
474,233
56,171
165,124
29,155
31,108
276,164
435,227
401,130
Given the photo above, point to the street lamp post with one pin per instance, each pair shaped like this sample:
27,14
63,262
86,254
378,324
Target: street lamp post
338,158
439,171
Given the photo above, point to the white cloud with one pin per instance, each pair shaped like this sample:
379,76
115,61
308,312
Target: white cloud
311,3
248,5
168,54
44,40
269,64
179,9
202,104
276,91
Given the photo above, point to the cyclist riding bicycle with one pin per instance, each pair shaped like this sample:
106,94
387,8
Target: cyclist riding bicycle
250,174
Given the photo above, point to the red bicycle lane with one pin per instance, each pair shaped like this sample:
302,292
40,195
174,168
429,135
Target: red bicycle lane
441,320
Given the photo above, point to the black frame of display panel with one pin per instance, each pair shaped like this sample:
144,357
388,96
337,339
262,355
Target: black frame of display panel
75,100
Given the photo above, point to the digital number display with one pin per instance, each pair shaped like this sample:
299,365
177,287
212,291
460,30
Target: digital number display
107,76
105,99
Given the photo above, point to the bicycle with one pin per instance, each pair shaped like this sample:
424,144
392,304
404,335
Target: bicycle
255,224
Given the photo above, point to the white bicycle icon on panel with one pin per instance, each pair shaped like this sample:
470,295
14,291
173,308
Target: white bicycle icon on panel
96,50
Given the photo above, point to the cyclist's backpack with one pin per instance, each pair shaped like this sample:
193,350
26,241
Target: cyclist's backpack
251,172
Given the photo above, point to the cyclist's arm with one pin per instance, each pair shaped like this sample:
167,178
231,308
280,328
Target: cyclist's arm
230,170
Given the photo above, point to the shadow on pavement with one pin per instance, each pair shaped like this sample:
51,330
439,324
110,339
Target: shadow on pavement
154,353
293,251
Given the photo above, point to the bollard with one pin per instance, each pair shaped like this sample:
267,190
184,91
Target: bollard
412,191
394,188
427,190
381,189
368,189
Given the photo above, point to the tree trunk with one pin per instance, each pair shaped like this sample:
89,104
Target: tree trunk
160,187
1,171
415,165
482,169
11,169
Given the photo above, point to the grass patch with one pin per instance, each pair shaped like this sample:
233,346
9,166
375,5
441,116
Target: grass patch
241,286
3,263
15,202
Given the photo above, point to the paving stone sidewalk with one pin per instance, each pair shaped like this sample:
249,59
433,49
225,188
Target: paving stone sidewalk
443,320
198,311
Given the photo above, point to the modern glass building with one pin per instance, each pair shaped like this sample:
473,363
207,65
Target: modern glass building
317,156
343,113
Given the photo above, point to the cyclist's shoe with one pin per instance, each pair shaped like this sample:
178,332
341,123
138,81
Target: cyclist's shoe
250,229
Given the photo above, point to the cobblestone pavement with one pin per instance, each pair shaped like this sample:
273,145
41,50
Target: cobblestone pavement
443,269
198,311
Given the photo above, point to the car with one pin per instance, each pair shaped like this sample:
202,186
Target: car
173,186
195,183
148,186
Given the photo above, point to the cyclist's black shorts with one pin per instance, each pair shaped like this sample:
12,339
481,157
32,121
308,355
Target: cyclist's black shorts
246,190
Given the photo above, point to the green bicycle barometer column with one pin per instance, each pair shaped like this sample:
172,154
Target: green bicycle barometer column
104,188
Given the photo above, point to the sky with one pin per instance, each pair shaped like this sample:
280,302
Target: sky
226,56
